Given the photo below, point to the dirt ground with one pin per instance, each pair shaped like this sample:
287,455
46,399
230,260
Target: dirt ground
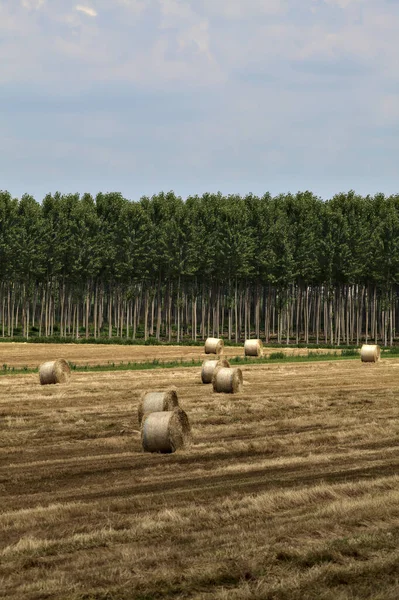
289,491
32,355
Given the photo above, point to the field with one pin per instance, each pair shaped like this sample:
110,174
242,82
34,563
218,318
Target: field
29,355
290,490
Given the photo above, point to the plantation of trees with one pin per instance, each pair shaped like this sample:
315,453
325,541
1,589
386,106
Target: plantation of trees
289,269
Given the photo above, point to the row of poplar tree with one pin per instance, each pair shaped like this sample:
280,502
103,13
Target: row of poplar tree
291,268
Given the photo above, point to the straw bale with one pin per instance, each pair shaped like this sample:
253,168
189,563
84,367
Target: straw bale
209,366
157,402
54,371
214,346
370,353
165,432
226,380
253,348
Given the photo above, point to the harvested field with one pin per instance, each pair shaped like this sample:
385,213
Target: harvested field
31,355
290,490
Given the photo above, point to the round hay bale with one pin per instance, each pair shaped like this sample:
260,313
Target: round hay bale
226,380
214,346
370,353
165,432
208,367
157,402
54,371
253,348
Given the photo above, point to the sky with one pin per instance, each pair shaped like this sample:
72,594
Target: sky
237,96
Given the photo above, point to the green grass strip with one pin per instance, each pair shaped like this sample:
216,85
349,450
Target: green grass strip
274,358
157,364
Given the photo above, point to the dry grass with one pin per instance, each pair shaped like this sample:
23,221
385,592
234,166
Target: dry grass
290,490
20,354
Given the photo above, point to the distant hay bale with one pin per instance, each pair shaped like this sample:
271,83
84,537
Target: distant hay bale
208,367
253,348
165,432
54,371
157,402
370,353
214,346
226,380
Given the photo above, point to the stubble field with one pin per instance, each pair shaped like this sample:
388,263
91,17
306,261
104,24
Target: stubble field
289,491
22,354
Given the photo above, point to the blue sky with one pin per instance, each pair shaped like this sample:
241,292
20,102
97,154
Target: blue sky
240,96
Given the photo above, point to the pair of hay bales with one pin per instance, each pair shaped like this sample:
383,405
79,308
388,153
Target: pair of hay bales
251,347
223,378
218,371
164,425
209,367
370,353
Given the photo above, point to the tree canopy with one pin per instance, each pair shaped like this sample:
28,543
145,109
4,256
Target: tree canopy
80,249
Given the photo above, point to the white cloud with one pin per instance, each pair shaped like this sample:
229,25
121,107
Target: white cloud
344,3
90,12
184,50
33,4
136,6
176,12
238,9
388,110
175,8
197,42
199,36
253,87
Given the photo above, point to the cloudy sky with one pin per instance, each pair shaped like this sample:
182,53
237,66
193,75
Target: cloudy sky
239,96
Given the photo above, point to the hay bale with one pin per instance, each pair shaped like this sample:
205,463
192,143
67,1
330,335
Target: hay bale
253,348
54,371
370,353
165,432
208,367
226,380
157,402
214,346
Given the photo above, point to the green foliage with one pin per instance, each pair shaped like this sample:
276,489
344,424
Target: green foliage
70,247
350,352
391,351
289,239
277,356
158,364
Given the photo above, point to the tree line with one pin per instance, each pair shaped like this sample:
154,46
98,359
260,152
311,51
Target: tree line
291,268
